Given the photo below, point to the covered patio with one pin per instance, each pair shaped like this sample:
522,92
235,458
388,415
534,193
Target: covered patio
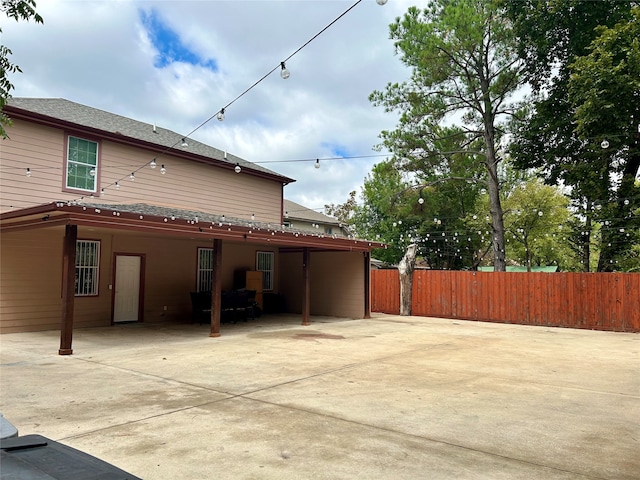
165,241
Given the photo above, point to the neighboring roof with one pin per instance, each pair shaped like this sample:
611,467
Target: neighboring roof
520,268
126,130
177,222
299,212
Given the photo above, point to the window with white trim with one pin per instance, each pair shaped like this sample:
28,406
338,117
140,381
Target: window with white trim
264,264
205,269
82,164
87,267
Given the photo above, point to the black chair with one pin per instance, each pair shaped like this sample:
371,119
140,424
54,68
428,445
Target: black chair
200,306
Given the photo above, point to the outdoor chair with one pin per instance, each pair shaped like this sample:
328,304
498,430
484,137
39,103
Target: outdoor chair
200,306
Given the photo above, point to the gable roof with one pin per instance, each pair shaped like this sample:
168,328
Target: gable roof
296,211
65,113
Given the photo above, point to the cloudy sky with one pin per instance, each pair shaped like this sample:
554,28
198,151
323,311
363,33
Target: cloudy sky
177,63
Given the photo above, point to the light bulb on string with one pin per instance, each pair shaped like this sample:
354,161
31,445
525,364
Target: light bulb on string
184,143
92,172
605,143
220,118
28,172
284,73
237,168
163,170
421,200
132,177
117,185
153,163
317,165
102,192
381,2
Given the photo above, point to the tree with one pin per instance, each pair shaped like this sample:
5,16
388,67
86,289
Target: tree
557,41
604,89
18,10
465,68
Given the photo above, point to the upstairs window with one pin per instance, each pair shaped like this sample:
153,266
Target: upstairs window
87,267
82,164
264,264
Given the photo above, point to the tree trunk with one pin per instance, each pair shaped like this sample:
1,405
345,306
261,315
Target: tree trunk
405,268
497,220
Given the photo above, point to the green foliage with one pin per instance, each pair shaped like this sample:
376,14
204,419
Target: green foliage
17,10
464,70
583,59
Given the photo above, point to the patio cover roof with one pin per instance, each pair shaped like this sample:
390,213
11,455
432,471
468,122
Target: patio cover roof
175,222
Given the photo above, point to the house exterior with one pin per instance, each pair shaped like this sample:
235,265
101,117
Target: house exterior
302,218
105,219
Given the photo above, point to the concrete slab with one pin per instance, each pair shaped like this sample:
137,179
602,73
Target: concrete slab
391,397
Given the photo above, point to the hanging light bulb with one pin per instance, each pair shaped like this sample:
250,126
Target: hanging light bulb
381,2
132,177
222,218
153,163
317,165
163,170
117,185
92,172
184,143
237,168
605,143
28,173
102,192
421,200
220,116
253,216
284,73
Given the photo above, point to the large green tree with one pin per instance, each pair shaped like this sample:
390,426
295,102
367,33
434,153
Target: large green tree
17,10
464,71
581,58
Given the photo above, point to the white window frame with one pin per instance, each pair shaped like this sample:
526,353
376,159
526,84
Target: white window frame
70,163
87,268
204,270
265,264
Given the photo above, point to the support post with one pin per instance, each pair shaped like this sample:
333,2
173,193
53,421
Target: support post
68,288
405,269
216,288
367,284
306,283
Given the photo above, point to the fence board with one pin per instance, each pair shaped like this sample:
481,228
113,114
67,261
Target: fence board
601,301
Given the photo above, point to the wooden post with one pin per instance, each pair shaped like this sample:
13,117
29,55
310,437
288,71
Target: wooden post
68,288
216,288
305,287
367,284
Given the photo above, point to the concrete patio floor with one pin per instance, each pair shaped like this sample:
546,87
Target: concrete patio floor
387,398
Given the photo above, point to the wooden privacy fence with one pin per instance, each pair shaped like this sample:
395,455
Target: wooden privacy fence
599,301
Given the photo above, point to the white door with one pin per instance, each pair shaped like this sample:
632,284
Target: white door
127,289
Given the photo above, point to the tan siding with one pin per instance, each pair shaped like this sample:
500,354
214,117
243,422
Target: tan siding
30,282
187,184
337,284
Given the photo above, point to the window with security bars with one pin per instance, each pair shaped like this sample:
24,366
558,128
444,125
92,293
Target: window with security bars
87,267
205,269
264,264
82,164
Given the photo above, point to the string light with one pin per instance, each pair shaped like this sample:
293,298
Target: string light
284,73
132,177
28,173
163,170
92,172
605,144
117,185
237,168
381,2
153,163
184,143
317,165
220,115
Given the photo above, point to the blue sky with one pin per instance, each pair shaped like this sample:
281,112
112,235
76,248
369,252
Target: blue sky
169,45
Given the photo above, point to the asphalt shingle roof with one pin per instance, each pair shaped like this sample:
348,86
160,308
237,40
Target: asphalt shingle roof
76,113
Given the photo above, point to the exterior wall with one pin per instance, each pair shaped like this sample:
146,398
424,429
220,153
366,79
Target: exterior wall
187,184
31,276
308,226
337,283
